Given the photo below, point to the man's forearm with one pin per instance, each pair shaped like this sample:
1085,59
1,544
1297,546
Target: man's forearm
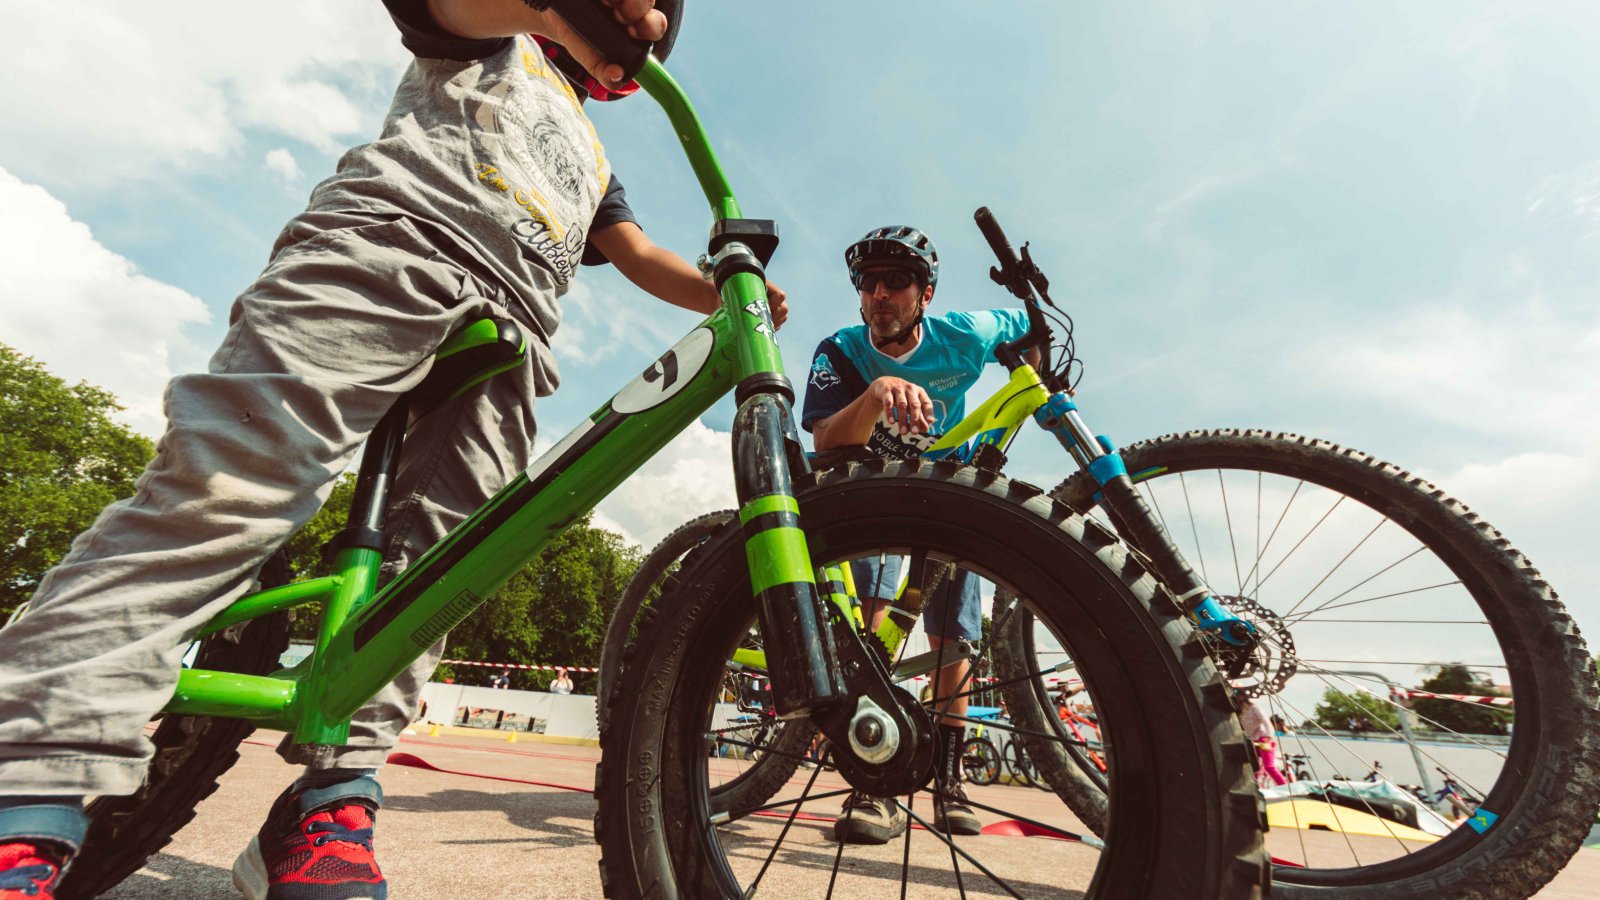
847,427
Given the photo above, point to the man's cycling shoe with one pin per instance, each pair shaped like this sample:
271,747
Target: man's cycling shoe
30,871
869,820
951,814
315,845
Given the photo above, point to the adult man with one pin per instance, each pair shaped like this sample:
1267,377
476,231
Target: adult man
893,384
486,188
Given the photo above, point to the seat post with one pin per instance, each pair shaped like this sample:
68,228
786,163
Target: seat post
380,464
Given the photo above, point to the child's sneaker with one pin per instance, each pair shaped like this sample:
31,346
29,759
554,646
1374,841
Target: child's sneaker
315,845
29,871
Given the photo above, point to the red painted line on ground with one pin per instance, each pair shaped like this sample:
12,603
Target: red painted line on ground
417,762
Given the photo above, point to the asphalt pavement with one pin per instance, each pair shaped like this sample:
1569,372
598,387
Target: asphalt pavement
444,835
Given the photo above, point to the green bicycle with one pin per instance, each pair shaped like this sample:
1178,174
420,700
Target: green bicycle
761,583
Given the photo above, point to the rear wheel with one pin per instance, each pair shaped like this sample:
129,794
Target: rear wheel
1187,825
1306,535
191,753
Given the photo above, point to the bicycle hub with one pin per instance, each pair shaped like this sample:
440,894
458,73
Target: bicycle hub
873,734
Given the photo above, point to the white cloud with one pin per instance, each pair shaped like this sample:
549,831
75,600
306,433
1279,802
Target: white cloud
691,476
82,310
1526,376
118,88
1525,372
282,163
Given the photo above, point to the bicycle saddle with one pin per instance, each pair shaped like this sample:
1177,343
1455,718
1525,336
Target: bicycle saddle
466,359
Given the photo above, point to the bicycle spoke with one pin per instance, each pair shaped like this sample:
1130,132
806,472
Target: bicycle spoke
1085,839
955,864
1228,516
1339,565
1320,673
1351,589
764,748
1305,857
1258,521
1197,549
1419,590
735,815
1255,568
1396,621
750,891
837,857
1015,730
1302,540
1364,801
905,856
964,854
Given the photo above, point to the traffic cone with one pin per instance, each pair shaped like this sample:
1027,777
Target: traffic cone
511,737
434,731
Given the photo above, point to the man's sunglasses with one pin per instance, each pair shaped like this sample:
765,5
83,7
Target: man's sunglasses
893,279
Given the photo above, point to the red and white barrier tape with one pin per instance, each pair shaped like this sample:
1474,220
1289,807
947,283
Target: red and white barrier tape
492,665
1465,698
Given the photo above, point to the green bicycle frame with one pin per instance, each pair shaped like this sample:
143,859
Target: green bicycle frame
368,637
996,421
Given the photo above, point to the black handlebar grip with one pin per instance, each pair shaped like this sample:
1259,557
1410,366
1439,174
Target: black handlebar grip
595,23
996,238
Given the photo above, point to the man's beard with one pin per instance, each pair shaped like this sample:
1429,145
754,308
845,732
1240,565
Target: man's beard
891,328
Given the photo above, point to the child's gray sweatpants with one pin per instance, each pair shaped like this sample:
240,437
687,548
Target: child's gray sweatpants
344,320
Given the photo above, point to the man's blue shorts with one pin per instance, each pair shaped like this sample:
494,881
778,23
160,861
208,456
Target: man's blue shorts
963,622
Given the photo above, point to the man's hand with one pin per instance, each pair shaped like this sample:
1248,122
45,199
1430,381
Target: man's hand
503,18
777,302
904,403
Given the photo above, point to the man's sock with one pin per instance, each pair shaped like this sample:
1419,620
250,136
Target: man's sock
951,737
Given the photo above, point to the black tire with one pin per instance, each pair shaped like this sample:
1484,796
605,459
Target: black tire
1191,829
191,754
772,770
1064,767
1547,793
980,761
654,572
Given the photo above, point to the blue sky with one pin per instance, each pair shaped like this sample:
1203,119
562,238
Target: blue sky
1373,223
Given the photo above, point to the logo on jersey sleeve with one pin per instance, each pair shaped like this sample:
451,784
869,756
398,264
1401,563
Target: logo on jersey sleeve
822,374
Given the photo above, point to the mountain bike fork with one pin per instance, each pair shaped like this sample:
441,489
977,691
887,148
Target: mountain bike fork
1060,416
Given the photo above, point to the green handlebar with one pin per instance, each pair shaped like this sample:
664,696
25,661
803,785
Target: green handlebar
686,125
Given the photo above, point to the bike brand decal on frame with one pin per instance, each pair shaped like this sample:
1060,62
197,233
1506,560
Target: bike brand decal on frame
667,375
537,467
445,619
763,314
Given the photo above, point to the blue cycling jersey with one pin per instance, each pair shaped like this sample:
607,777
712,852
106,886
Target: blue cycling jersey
945,363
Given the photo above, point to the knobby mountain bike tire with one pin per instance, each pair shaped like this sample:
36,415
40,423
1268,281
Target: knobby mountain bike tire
657,573
1545,797
1195,834
191,754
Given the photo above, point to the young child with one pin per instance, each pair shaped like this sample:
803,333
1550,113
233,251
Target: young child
485,190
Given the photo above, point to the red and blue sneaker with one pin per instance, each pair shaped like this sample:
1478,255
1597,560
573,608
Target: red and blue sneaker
315,845
29,871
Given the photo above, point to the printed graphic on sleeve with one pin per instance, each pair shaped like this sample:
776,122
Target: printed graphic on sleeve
822,374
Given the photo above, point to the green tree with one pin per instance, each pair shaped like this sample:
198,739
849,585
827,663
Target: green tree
1339,709
554,611
305,551
1462,718
62,460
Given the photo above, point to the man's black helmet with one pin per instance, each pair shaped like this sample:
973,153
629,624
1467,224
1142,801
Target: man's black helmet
895,245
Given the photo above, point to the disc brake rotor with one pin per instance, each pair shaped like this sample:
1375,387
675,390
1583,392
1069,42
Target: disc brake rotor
1266,668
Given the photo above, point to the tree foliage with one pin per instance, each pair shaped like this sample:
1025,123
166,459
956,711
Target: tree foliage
552,612
1339,710
62,460
1462,718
